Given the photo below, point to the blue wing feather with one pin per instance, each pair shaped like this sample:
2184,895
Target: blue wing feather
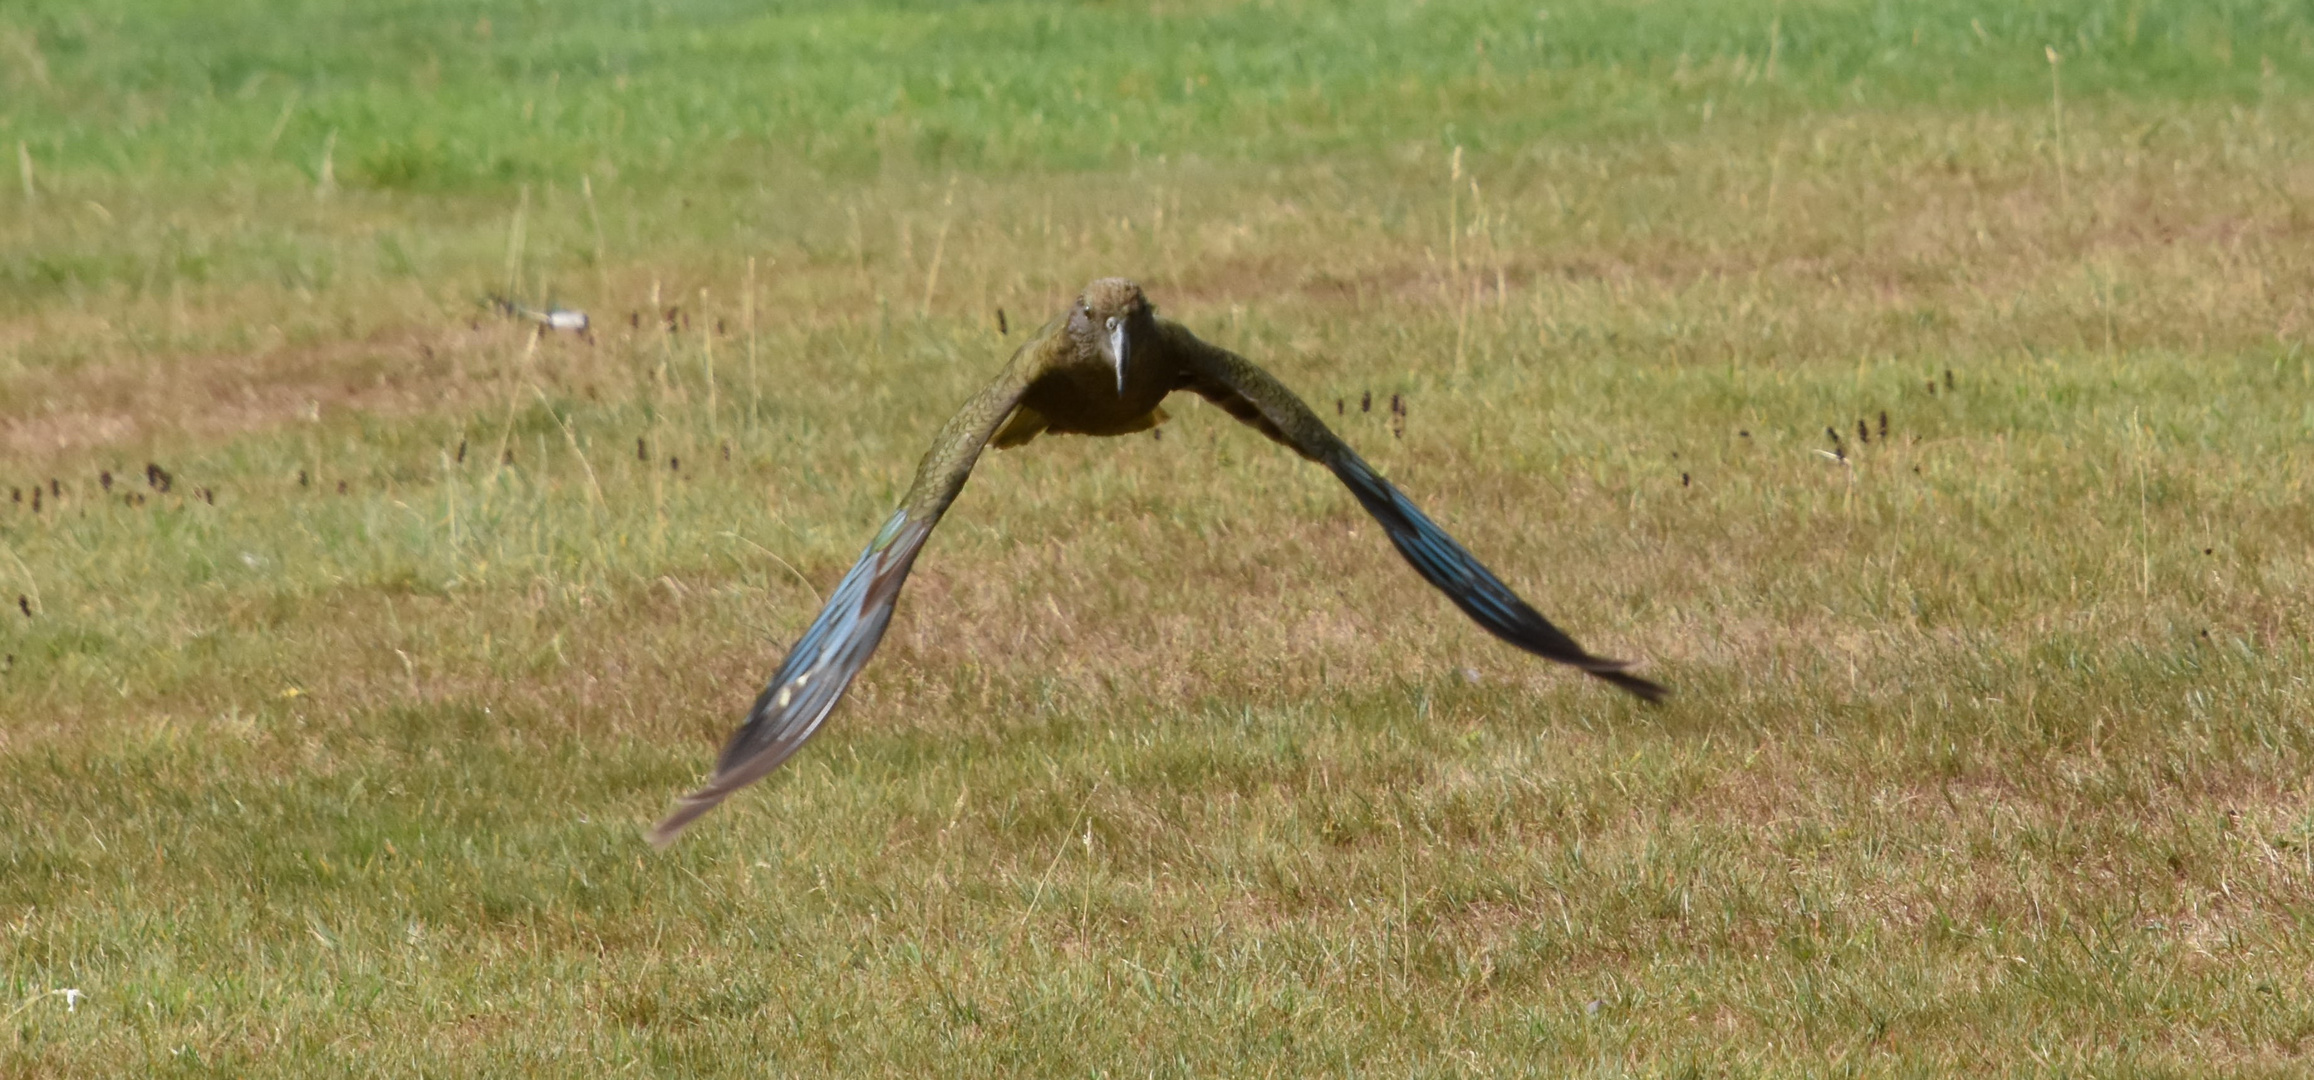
815,673
1473,588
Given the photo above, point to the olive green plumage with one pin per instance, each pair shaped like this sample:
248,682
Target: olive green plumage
1100,368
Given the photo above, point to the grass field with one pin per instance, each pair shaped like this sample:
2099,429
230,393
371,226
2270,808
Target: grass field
1920,390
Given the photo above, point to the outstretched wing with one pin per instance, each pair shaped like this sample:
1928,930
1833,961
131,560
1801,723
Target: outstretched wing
847,630
1256,397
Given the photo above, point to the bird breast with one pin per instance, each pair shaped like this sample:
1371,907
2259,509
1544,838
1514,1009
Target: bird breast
1082,398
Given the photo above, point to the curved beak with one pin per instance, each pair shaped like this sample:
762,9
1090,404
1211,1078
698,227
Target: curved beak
1120,347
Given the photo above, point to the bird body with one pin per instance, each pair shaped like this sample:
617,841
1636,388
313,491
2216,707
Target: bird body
1100,368
1071,384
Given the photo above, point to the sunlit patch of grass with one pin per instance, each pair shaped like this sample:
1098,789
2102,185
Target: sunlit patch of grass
357,633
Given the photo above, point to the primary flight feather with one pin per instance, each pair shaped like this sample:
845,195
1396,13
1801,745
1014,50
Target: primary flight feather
1101,368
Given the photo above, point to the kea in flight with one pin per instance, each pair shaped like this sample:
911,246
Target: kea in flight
1100,368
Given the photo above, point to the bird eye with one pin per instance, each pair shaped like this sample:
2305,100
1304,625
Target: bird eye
1112,322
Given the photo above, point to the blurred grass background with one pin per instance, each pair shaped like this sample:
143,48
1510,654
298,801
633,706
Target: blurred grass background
1930,413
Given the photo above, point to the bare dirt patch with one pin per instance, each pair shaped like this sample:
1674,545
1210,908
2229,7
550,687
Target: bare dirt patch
210,397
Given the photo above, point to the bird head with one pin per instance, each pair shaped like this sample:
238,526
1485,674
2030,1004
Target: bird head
1111,317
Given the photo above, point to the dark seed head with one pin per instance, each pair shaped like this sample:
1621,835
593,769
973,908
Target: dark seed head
461,451
301,478
1833,435
104,479
1339,409
508,457
36,499
1682,479
1948,384
674,464
55,490
24,605
642,453
1863,432
1743,433
726,451
1883,423
207,497
341,487
1366,402
1001,328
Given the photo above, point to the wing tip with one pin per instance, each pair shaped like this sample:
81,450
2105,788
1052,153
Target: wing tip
687,810
1646,690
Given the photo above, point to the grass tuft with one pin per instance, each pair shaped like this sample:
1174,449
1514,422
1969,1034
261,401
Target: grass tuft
1934,430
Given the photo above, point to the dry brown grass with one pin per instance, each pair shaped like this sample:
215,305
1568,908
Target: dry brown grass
1988,754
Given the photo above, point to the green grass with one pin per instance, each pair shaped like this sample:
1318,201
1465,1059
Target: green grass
1990,742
